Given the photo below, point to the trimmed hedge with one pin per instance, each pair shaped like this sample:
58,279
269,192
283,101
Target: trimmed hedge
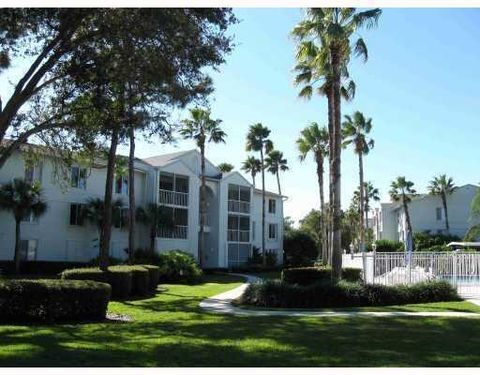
140,278
311,275
384,246
177,266
153,276
120,279
52,300
39,267
344,294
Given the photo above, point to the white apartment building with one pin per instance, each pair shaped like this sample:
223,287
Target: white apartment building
233,223
426,214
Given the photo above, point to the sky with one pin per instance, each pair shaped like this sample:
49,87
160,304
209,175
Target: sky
419,86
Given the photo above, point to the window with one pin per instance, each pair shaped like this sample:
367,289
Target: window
28,249
29,218
78,178
439,213
173,189
33,173
272,206
238,199
272,231
120,218
76,217
253,231
238,228
178,227
121,185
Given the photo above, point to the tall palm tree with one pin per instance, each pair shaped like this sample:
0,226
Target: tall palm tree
202,129
323,55
225,167
355,131
314,139
442,186
22,200
154,217
275,163
371,193
257,140
401,191
252,165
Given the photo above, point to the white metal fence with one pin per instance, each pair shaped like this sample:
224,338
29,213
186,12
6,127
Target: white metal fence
461,269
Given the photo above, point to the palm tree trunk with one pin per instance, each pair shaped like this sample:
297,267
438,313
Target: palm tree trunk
409,223
323,231
106,232
444,201
153,234
362,212
329,210
253,179
201,247
264,255
278,183
16,256
131,195
336,171
366,208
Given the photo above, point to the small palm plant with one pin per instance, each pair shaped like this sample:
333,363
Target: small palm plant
253,166
443,187
154,217
225,167
275,163
202,129
402,191
22,200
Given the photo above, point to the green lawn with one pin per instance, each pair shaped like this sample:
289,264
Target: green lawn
170,330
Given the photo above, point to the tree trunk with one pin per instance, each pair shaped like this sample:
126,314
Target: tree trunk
366,208
329,210
323,232
336,171
264,254
278,183
107,209
362,212
131,195
16,256
444,201
153,234
253,179
201,247
409,224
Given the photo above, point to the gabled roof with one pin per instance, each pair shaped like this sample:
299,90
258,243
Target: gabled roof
164,159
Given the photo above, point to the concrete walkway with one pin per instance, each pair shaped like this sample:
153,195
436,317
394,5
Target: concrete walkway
222,304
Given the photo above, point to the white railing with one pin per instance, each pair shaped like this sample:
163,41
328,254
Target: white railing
238,235
179,231
238,206
174,198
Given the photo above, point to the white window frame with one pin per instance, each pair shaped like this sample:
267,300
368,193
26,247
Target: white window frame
82,181
79,223
275,225
25,256
437,211
124,185
270,200
36,173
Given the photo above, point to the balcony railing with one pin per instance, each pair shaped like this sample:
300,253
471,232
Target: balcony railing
180,231
238,235
239,206
173,198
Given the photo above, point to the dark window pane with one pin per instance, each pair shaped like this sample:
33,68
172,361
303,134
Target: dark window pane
232,222
166,181
181,216
233,192
181,184
244,223
244,194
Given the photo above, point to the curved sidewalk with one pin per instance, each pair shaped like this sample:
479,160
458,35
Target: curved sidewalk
222,304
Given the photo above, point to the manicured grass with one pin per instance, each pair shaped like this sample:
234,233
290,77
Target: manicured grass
171,330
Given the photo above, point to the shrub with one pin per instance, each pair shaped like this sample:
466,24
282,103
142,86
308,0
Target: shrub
311,275
437,248
140,278
256,257
39,267
425,240
52,300
153,276
120,279
145,256
271,258
389,246
178,266
299,249
323,294
111,261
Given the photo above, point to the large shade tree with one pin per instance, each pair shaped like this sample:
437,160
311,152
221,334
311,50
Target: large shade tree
324,52
252,165
442,186
202,129
402,191
257,140
22,199
314,139
276,163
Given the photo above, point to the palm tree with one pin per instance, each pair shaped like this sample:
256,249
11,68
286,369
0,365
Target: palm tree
275,163
252,165
323,55
257,140
401,191
371,193
225,167
22,200
201,128
315,140
442,187
155,217
355,131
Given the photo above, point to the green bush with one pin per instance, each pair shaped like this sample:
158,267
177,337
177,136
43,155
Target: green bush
52,300
178,266
324,294
145,256
437,248
39,267
111,261
140,278
311,275
153,276
384,246
299,249
120,279
426,240
271,258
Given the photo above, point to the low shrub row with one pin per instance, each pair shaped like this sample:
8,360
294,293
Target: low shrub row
125,281
344,294
388,246
39,267
311,275
52,300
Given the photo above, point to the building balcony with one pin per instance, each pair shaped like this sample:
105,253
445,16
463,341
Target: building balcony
238,236
178,232
173,198
239,206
